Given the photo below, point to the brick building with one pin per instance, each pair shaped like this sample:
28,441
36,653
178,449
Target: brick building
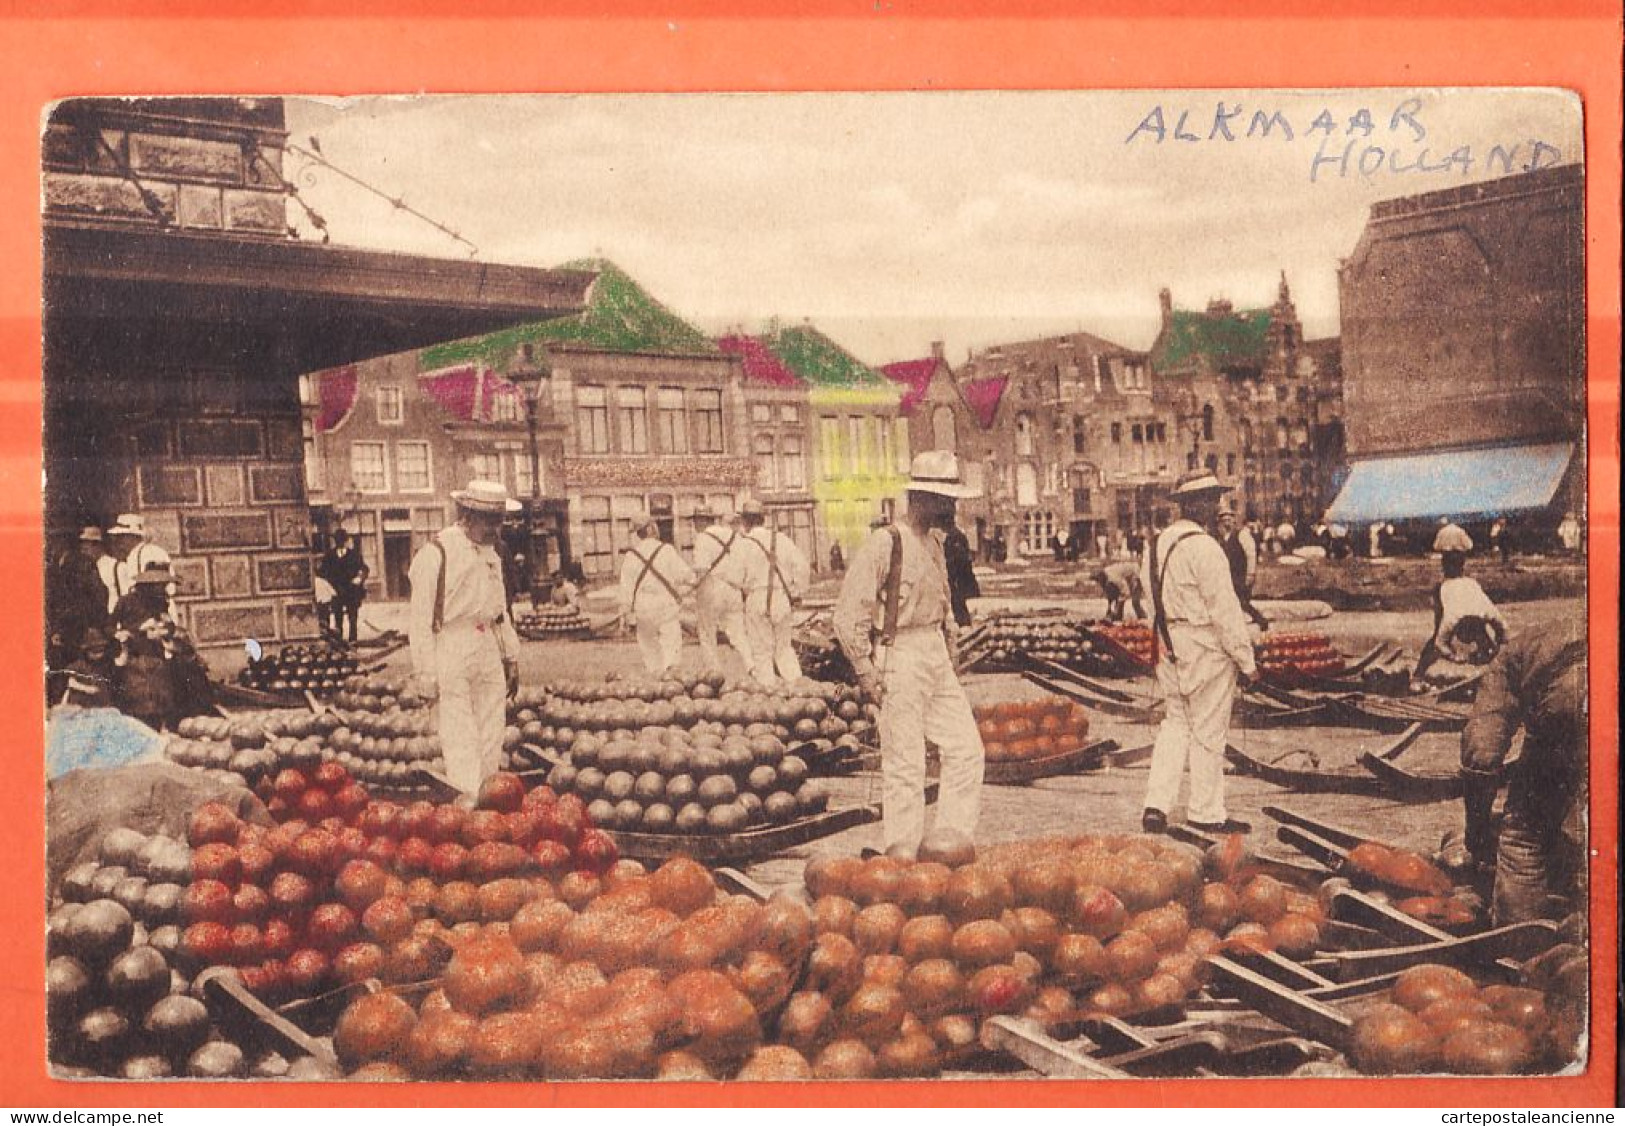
778,414
180,312
1068,437
859,442
1463,315
1255,402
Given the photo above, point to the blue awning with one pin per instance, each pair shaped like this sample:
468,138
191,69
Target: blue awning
1488,482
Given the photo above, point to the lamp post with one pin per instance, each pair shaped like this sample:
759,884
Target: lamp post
531,375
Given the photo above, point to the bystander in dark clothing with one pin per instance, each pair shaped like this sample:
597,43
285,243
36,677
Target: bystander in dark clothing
158,676
1241,552
75,603
962,584
1537,683
837,558
347,573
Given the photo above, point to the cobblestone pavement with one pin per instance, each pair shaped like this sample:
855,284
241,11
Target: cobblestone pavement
1109,800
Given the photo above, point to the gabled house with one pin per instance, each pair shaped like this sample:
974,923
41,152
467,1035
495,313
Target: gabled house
777,412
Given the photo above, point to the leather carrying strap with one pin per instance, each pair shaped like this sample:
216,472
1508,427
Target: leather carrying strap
894,589
772,553
649,569
717,562
1159,613
438,621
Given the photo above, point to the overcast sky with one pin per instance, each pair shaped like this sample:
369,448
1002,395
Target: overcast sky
891,220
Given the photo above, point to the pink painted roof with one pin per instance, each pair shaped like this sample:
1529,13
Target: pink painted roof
454,389
915,377
761,365
982,397
335,396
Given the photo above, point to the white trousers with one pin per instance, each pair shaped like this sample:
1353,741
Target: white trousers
924,700
724,611
473,704
1197,692
660,641
773,655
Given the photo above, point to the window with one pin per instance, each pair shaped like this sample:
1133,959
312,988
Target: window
1136,435
789,413
829,446
1026,485
707,408
592,420
854,444
597,536
632,420
1080,501
1162,432
1024,435
1117,433
626,510
1103,370
507,407
761,412
307,391
944,429
767,478
367,470
672,423
1036,529
485,466
1230,465
794,467
884,459
412,471
1207,423
521,476
1211,463
391,411
1281,434
1078,434
900,444
315,471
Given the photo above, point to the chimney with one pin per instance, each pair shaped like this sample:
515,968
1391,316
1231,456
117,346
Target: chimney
936,351
1167,299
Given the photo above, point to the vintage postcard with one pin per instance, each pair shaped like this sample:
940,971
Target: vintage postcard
1025,585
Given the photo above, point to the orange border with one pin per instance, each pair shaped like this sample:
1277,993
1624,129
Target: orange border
74,47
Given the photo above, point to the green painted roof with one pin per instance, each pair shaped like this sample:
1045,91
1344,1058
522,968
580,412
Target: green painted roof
620,317
1226,339
816,359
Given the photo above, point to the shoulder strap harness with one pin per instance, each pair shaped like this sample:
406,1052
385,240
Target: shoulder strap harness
1160,637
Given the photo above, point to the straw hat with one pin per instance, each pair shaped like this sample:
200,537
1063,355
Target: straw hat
128,524
489,497
90,535
154,574
937,471
1199,483
752,507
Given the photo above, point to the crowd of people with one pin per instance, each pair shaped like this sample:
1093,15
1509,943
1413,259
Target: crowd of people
113,638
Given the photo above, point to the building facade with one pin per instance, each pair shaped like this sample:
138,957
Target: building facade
1068,437
859,442
1256,403
1463,317
180,312
777,418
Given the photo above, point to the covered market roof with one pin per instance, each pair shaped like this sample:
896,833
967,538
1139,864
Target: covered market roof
1492,481
620,316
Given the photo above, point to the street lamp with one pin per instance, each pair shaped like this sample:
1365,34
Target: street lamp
531,375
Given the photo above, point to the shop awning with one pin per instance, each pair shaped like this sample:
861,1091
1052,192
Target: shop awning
1493,481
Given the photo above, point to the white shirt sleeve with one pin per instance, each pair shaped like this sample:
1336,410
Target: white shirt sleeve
1219,595
424,575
